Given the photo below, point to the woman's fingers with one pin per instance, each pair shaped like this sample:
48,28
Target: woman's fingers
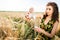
37,29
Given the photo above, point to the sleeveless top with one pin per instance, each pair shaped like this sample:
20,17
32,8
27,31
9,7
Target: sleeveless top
48,27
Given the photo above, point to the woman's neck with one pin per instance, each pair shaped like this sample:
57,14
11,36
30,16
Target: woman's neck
49,16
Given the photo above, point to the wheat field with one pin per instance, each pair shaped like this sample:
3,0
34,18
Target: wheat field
7,24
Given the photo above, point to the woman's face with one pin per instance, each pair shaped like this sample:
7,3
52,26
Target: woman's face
49,10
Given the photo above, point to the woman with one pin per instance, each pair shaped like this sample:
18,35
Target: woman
49,22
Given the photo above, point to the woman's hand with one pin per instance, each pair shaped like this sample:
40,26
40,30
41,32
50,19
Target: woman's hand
37,29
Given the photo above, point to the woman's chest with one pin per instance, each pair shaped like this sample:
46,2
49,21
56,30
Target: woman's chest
48,26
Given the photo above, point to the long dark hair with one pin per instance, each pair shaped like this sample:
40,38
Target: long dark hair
55,14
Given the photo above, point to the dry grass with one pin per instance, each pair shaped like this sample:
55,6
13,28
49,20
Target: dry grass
6,24
6,27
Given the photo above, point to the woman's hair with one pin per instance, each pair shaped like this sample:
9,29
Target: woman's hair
55,14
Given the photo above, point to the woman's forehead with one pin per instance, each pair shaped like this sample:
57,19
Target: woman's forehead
49,7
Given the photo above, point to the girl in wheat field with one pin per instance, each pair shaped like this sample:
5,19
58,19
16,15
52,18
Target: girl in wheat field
49,22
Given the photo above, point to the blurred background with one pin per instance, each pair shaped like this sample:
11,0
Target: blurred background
18,8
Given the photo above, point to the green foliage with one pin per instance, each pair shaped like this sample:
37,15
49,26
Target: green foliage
29,33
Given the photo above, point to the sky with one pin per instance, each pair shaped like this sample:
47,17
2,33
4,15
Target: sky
24,5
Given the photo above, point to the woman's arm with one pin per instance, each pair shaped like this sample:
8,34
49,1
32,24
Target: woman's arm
46,33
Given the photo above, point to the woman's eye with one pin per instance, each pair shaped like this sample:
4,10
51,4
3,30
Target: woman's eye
49,9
